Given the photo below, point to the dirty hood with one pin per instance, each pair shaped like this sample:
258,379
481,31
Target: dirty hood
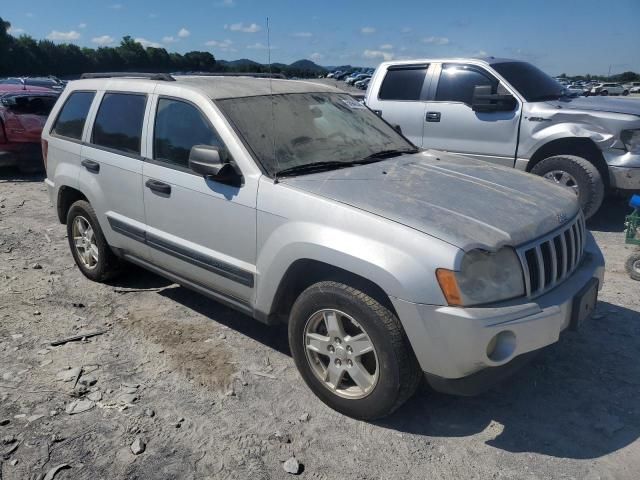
465,202
599,104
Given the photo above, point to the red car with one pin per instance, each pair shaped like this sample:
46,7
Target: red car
23,113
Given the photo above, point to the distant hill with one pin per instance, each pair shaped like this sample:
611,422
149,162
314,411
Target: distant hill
308,65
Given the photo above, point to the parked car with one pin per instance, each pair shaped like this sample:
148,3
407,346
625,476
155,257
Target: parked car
305,207
51,83
363,84
510,113
22,116
633,87
357,78
609,89
573,90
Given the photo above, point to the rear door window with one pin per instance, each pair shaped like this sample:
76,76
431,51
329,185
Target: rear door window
178,127
118,124
403,83
457,82
73,115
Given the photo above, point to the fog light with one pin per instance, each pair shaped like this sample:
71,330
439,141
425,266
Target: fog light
501,346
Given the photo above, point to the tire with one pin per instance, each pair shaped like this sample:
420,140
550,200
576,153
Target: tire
632,266
398,373
105,264
625,93
589,183
604,93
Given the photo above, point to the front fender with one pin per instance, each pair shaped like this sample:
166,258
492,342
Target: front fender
398,270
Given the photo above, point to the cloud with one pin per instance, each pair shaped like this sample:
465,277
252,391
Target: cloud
169,39
224,45
29,15
15,31
316,57
69,36
259,46
241,27
148,43
103,40
386,46
302,34
374,54
479,53
153,15
226,3
367,30
116,6
436,40
184,33
82,25
406,30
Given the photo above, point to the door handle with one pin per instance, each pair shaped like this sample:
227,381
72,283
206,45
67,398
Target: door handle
93,167
159,187
432,117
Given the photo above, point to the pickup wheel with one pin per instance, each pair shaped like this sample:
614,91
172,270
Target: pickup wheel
89,248
352,351
632,266
578,174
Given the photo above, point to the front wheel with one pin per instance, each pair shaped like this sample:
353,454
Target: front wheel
578,175
625,93
352,351
604,93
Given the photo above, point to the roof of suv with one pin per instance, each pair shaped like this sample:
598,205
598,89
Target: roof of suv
219,87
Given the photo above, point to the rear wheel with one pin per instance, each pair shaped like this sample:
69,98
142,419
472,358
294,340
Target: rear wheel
604,93
352,351
632,266
625,93
578,175
89,248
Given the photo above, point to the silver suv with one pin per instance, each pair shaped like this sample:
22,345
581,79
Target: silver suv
511,113
292,202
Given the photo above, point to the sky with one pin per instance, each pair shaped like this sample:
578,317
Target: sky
565,36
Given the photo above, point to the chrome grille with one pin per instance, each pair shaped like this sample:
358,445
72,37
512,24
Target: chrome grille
549,260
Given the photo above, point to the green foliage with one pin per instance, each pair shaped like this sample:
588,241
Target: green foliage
24,56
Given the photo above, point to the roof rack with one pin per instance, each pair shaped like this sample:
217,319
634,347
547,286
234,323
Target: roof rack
150,76
233,74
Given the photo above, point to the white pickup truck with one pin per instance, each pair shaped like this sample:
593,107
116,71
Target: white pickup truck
511,113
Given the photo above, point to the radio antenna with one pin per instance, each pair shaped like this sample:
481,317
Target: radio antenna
273,112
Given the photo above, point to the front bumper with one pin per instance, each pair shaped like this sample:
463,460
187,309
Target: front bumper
624,169
452,342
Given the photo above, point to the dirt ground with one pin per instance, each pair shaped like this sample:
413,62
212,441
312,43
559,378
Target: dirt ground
214,394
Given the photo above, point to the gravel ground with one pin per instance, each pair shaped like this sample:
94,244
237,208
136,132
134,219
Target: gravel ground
205,392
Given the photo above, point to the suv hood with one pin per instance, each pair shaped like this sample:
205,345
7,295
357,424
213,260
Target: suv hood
599,104
465,202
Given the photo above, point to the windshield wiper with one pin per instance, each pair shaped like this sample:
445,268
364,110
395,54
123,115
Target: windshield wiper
312,167
386,154
333,164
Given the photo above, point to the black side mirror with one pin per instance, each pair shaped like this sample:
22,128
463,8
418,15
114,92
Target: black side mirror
485,101
214,163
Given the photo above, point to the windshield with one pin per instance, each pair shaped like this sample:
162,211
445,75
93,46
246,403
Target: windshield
532,83
294,130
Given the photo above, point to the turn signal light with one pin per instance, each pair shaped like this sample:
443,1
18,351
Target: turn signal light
449,285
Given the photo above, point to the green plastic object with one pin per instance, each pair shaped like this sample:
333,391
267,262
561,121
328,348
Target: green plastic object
632,230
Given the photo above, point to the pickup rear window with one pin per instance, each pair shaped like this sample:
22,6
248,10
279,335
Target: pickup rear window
403,83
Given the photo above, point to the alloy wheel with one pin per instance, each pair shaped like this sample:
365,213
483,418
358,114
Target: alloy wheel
84,240
563,178
341,354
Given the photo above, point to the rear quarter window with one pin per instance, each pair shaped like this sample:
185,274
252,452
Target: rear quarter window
118,124
73,115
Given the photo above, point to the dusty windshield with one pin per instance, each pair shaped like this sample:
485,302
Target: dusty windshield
305,129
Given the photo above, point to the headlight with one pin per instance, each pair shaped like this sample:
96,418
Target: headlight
484,277
631,140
